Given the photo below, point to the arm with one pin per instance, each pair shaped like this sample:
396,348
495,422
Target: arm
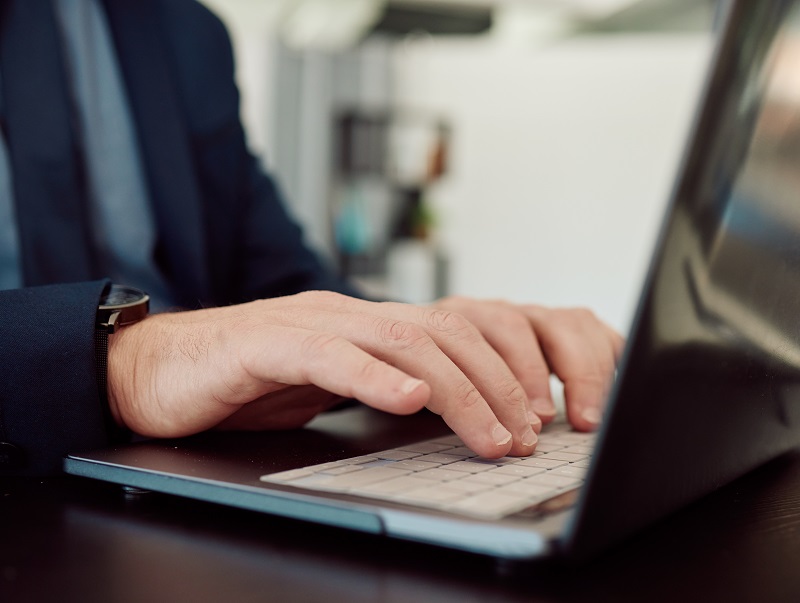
48,389
276,363
255,248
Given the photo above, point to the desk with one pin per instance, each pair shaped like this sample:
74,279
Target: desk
71,539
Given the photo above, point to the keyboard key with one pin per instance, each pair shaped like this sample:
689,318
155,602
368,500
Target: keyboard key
433,496
548,479
375,462
355,460
532,492
560,455
438,457
415,465
569,471
358,478
396,455
548,447
584,450
577,438
453,440
493,479
342,469
542,463
405,483
518,470
505,460
466,487
286,476
426,447
470,466
462,451
441,474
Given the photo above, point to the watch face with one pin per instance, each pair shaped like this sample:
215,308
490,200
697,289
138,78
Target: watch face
120,306
121,295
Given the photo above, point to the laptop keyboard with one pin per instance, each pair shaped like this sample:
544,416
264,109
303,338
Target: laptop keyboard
443,474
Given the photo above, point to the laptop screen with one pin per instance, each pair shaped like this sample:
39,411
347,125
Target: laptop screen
712,372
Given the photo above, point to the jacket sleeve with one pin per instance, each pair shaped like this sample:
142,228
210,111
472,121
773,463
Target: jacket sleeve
257,248
49,403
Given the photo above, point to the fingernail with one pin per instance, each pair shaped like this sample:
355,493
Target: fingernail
529,438
543,407
592,415
410,385
534,420
500,435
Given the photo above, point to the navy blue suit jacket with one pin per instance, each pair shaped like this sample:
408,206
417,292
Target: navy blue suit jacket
223,234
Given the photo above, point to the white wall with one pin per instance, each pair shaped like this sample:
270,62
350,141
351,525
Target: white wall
563,156
562,160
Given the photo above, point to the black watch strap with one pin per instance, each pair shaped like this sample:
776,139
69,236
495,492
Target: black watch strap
101,367
119,306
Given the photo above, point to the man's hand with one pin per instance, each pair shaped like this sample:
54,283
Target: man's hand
483,366
534,342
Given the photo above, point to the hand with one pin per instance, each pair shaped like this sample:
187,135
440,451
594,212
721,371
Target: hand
535,341
177,374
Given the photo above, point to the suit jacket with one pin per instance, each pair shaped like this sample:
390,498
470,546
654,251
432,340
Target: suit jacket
223,234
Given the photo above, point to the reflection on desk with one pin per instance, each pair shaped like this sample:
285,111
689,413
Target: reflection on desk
76,540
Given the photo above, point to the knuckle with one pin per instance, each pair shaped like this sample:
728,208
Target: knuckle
451,301
567,320
320,345
371,370
591,379
450,322
537,372
511,391
585,315
405,335
512,320
322,298
466,396
607,367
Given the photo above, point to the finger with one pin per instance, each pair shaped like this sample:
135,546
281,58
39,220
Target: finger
617,343
300,357
454,396
486,369
509,331
581,352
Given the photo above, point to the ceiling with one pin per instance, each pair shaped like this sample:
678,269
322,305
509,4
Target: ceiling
336,24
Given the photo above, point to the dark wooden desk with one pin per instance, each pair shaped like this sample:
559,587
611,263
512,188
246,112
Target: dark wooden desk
69,539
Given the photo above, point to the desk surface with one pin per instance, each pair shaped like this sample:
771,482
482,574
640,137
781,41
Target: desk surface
72,539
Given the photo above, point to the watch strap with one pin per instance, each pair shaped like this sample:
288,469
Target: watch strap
120,306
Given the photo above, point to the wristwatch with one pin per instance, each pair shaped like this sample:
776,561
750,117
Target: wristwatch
120,306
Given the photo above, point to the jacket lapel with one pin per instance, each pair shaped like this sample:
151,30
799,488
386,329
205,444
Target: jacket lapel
165,145
49,185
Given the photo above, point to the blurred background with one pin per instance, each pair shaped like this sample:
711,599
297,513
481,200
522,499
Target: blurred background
517,149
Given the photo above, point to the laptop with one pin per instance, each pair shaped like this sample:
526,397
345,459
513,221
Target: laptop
707,389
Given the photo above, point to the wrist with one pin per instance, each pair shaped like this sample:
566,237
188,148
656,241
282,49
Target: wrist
122,359
119,308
